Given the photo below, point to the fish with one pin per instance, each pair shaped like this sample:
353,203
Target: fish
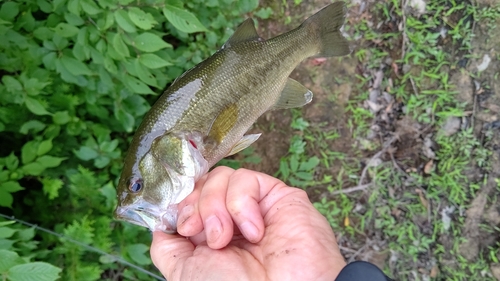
204,114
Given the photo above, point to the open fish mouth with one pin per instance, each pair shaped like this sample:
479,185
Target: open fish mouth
165,221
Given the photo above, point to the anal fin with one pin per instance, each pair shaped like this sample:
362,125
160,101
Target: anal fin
245,142
293,95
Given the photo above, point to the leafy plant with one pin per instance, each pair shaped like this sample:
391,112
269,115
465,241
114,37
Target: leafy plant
76,78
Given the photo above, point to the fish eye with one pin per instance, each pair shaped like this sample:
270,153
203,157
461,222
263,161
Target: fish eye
135,186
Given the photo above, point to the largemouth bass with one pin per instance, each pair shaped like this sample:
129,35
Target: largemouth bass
203,116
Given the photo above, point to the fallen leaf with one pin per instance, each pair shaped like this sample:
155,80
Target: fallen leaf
429,167
434,272
421,195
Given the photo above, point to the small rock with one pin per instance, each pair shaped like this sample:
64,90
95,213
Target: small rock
484,64
388,97
463,83
486,117
427,148
450,126
495,270
373,97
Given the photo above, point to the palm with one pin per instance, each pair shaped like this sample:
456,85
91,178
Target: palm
298,244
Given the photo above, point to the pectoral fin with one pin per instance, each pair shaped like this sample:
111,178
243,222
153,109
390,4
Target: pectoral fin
293,95
245,32
245,142
223,123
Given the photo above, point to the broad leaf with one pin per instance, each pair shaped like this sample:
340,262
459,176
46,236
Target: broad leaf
35,106
34,271
123,21
182,19
120,46
74,66
153,61
149,42
140,18
66,30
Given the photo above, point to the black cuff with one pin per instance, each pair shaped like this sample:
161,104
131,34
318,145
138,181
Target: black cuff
361,271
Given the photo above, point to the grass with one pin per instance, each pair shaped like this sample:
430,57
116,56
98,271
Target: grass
417,217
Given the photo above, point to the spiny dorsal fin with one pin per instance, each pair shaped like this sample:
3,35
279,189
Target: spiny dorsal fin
245,32
293,95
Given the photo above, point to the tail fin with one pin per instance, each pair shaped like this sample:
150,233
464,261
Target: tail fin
326,24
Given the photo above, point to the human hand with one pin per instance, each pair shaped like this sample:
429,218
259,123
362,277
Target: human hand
245,225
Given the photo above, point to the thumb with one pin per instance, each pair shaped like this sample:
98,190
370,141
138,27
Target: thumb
168,252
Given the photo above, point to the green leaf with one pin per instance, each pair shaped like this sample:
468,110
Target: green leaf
35,106
294,163
6,232
153,61
101,161
304,176
6,199
43,33
137,253
61,117
26,234
126,119
33,168
144,74
8,259
137,86
34,271
44,147
48,161
90,7
51,187
124,21
86,153
11,186
149,42
120,46
34,125
183,20
44,6
9,10
11,161
73,19
140,18
11,84
74,7
66,30
310,164
28,152
74,66
108,146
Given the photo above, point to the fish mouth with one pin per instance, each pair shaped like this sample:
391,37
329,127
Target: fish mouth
165,221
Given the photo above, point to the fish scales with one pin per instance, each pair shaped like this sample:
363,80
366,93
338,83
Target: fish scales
203,116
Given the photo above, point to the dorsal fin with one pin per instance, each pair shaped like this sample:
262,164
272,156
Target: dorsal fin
245,32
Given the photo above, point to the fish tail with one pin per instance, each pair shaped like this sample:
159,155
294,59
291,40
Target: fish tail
326,25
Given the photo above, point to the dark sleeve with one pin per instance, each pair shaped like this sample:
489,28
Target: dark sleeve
362,271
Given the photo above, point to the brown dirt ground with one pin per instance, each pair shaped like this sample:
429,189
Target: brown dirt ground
408,151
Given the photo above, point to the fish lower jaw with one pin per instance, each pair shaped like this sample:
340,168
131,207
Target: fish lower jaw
165,221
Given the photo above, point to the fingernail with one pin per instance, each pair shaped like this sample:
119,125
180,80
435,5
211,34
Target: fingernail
185,214
250,231
213,228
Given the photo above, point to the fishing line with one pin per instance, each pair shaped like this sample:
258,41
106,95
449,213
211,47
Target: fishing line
90,248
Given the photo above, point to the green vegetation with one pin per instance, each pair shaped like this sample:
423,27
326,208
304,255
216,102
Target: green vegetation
415,205
76,78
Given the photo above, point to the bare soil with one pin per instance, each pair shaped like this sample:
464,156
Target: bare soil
333,83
